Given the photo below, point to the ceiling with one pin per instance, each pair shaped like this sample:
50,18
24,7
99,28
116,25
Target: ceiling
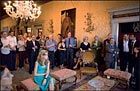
3,13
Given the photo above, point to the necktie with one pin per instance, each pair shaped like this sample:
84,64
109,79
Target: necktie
68,42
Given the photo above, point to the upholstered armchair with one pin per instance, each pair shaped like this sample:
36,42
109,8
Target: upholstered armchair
89,66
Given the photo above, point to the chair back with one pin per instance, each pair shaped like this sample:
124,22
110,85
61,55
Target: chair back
88,57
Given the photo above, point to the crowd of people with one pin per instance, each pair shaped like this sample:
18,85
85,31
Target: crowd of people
62,52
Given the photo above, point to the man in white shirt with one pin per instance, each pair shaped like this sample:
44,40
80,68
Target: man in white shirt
13,44
124,54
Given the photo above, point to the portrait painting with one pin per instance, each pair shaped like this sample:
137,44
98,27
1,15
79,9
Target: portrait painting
68,22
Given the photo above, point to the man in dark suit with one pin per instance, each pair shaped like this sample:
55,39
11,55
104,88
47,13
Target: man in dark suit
33,49
0,48
0,43
134,43
124,54
137,66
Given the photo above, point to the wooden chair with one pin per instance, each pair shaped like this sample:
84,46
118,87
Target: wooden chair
88,58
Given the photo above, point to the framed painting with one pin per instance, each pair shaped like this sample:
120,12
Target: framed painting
68,22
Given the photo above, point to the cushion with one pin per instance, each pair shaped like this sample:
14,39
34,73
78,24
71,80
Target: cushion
63,74
88,57
88,70
29,84
118,74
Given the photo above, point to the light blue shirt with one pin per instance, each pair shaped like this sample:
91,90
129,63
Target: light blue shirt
70,41
49,43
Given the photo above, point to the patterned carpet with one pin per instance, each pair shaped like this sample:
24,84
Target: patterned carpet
20,75
83,81
116,87
23,74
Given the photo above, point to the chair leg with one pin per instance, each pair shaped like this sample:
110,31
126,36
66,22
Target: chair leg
55,87
75,79
60,85
81,74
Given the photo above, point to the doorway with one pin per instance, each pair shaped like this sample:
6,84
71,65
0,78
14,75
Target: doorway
129,28
125,24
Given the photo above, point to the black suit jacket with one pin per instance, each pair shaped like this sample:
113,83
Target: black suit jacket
121,47
0,43
137,45
30,45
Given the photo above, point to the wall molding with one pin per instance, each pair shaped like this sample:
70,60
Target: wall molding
121,17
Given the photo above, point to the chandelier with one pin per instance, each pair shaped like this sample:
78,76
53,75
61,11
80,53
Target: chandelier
22,9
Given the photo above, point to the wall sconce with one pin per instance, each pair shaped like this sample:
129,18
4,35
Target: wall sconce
40,30
29,30
89,23
50,29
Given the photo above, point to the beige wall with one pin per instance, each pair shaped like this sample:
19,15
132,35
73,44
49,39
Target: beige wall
99,10
8,22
